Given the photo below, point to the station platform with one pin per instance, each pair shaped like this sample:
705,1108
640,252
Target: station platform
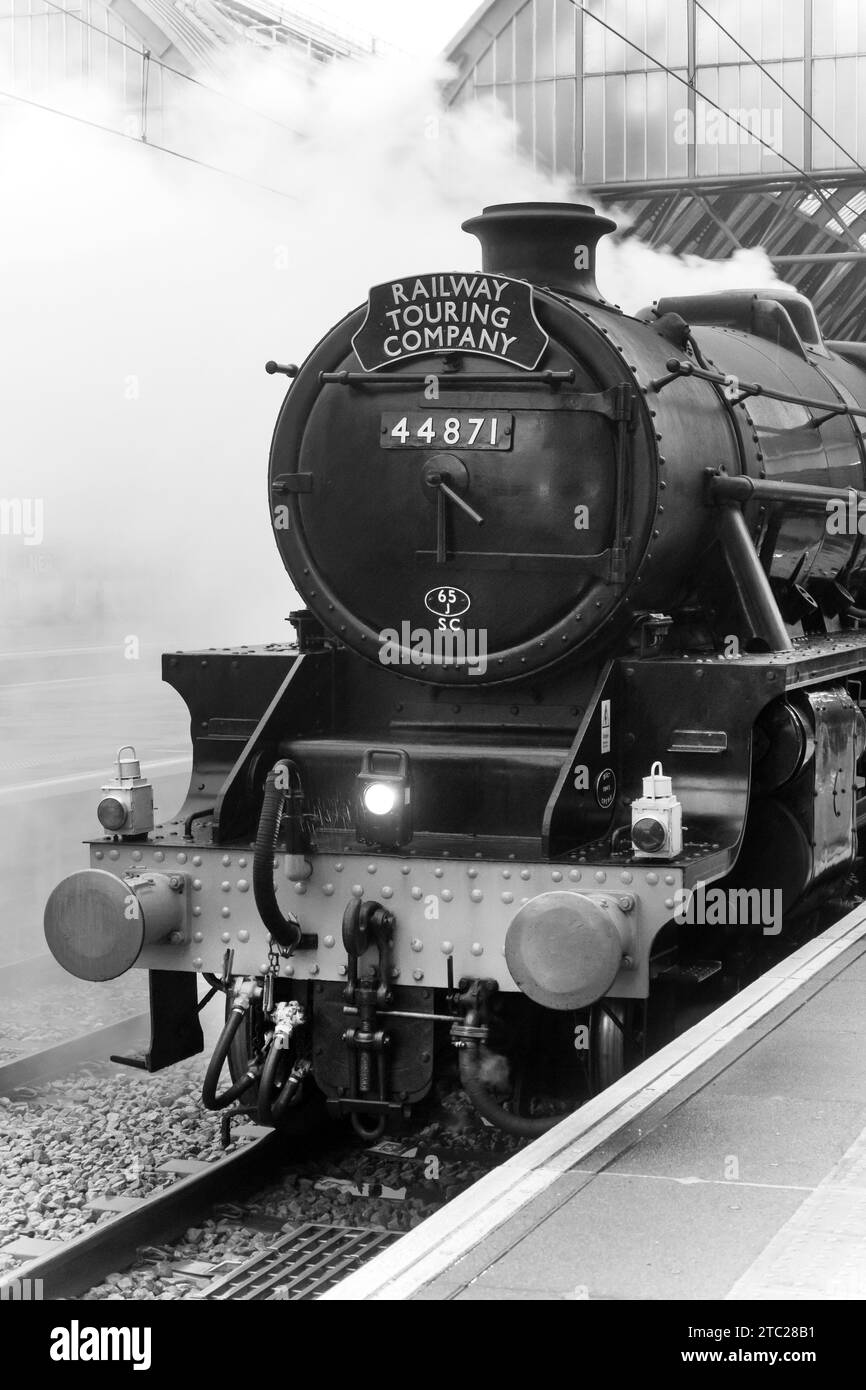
729,1165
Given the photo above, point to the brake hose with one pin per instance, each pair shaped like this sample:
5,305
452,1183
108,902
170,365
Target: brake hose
210,1099
274,1103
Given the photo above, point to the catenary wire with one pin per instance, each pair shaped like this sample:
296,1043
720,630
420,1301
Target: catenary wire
166,67
146,144
689,85
799,105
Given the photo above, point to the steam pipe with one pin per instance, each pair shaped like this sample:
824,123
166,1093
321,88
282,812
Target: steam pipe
522,1126
286,930
196,815
750,582
724,488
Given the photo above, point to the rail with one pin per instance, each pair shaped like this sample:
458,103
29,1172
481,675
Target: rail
78,1264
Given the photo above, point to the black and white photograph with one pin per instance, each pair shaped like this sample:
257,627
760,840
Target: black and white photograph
432,671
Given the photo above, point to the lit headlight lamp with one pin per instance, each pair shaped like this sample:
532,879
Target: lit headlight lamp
383,811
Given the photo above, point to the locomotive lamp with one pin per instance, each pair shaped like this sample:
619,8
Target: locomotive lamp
126,808
384,803
656,819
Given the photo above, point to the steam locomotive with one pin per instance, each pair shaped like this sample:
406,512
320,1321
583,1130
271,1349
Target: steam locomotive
582,634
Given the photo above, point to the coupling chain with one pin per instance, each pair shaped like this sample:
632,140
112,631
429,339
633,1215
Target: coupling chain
275,952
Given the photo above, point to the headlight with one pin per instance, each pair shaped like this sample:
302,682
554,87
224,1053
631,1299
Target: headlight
380,798
384,798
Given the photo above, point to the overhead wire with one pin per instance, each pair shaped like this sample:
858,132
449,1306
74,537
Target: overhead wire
148,57
146,144
689,84
800,107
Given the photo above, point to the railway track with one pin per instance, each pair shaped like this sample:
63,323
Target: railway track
301,1262
56,1061
66,1269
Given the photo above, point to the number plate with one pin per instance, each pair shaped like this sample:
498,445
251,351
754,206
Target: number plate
446,429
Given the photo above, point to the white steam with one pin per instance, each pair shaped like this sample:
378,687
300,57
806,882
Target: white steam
635,274
143,295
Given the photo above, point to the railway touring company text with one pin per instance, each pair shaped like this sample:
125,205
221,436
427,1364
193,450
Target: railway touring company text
492,315
458,312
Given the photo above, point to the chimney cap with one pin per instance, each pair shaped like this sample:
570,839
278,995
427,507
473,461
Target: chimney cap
550,244
544,209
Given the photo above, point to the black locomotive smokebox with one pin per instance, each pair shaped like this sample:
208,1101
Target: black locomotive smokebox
550,244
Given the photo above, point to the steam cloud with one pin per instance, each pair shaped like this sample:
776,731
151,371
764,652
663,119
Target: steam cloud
144,294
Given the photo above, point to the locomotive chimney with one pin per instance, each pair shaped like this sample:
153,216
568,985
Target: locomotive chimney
546,243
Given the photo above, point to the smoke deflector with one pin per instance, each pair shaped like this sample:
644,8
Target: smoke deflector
550,244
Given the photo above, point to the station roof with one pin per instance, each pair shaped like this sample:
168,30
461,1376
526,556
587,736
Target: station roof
194,34
571,76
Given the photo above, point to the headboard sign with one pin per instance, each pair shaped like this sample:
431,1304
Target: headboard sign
490,315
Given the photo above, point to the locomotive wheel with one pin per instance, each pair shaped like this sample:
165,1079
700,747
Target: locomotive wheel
614,1048
541,1093
613,1040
